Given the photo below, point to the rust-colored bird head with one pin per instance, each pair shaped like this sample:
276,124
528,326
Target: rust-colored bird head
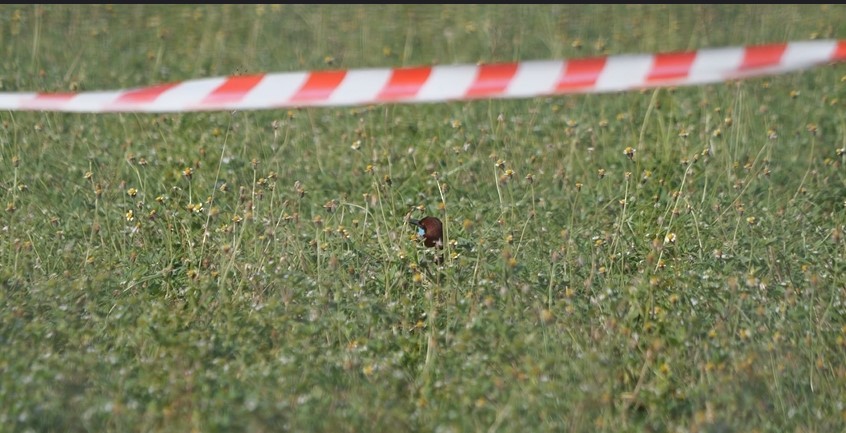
431,230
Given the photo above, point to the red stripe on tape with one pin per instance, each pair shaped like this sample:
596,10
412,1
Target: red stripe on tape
671,66
762,56
405,83
492,79
54,97
48,101
581,73
145,95
319,86
840,52
233,89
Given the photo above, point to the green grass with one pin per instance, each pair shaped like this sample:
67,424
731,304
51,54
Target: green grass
696,287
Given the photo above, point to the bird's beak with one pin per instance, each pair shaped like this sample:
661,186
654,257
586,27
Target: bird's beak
414,222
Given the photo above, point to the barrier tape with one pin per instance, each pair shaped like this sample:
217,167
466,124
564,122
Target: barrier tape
443,83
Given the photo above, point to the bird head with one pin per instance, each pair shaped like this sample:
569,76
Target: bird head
431,230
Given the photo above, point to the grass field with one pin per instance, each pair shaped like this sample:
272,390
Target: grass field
252,271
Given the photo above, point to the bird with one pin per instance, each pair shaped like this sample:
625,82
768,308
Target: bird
431,230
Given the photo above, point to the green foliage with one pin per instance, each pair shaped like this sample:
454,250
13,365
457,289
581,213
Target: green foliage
646,261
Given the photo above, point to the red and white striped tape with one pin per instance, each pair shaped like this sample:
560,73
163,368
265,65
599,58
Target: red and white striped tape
443,83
